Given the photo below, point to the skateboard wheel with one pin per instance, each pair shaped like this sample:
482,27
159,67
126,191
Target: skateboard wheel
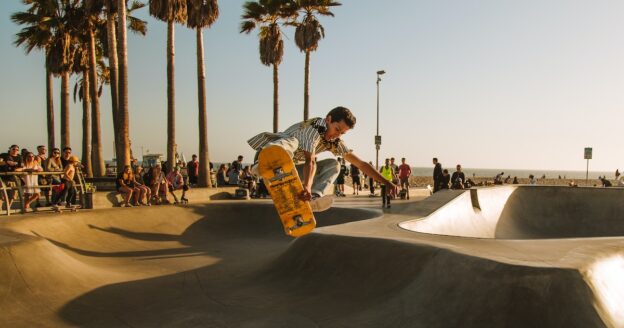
299,220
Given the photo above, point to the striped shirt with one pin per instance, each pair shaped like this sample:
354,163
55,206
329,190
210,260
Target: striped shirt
310,138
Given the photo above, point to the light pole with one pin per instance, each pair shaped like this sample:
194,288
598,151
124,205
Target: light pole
377,136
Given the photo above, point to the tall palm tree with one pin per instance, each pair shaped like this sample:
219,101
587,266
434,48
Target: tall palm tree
64,25
308,33
170,11
122,100
38,35
268,14
135,25
201,14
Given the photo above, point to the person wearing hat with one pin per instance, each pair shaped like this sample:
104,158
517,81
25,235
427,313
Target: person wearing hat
68,194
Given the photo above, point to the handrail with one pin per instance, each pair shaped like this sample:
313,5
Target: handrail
19,186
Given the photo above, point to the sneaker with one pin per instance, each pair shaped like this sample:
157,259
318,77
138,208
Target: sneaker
321,203
388,206
127,205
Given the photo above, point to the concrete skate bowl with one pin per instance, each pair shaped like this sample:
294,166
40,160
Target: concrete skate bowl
528,212
229,265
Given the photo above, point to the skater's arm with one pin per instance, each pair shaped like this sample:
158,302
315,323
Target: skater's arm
367,169
309,169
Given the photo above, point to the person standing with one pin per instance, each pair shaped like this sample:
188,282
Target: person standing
355,178
340,180
371,183
192,169
388,173
405,171
437,174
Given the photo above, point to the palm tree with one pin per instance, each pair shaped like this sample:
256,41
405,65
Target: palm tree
122,100
202,13
136,25
308,33
268,14
63,24
170,11
37,35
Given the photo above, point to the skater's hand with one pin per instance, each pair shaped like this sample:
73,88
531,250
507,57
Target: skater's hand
305,195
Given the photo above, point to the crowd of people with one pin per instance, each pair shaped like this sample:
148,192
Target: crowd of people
58,188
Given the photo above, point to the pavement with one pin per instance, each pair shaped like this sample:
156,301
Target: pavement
499,257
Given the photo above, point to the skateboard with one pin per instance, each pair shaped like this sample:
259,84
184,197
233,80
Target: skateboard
61,209
282,180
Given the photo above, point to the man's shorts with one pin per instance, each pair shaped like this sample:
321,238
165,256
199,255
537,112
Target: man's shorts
405,181
356,179
340,180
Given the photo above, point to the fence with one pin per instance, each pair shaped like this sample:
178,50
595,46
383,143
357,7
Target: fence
12,181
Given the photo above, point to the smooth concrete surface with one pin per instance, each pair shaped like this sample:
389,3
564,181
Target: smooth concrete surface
228,264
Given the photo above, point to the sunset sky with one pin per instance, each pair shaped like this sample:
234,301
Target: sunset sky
490,84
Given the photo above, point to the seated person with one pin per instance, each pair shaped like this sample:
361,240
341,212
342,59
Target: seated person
146,192
458,178
248,180
233,174
176,182
221,177
126,185
445,180
157,182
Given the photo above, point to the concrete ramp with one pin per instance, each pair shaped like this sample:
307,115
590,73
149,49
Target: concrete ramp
229,265
528,212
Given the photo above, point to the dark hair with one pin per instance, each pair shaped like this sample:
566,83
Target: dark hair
66,148
435,159
13,146
40,146
342,114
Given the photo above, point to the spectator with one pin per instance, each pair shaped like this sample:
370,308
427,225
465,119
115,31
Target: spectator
238,165
515,180
176,182
395,178
159,185
68,192
340,180
146,192
405,171
221,176
387,172
532,180
192,169
605,183
233,173
54,165
12,161
437,174
458,178
371,183
445,180
67,152
41,155
31,182
126,186
249,179
498,179
355,178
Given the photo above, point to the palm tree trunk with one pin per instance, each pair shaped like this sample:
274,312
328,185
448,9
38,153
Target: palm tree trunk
171,144
86,124
124,119
50,110
275,99
306,88
65,126
114,86
204,160
96,149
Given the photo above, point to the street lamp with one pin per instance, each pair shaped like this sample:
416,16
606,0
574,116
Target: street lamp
377,136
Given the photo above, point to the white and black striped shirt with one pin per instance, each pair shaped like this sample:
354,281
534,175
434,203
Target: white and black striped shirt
309,136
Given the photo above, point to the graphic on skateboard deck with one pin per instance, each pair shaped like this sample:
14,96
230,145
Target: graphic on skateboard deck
282,180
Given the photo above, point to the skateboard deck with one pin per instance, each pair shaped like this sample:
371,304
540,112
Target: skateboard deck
282,180
61,209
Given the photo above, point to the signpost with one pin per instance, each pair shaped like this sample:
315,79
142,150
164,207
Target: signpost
588,156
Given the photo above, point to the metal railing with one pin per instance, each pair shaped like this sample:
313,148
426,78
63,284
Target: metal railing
12,181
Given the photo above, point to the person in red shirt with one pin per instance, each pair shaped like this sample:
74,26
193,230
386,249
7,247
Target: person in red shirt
405,171
192,169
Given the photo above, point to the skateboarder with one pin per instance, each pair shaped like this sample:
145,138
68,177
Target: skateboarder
304,141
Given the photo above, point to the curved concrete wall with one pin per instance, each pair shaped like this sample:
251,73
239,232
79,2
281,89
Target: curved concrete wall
528,212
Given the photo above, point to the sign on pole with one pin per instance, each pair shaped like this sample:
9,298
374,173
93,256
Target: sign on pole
588,156
588,153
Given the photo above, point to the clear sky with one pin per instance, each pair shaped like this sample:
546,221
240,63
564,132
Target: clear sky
491,84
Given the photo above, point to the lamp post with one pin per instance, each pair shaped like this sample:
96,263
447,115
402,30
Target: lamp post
377,136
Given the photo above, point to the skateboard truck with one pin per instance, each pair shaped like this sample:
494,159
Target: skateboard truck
299,222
